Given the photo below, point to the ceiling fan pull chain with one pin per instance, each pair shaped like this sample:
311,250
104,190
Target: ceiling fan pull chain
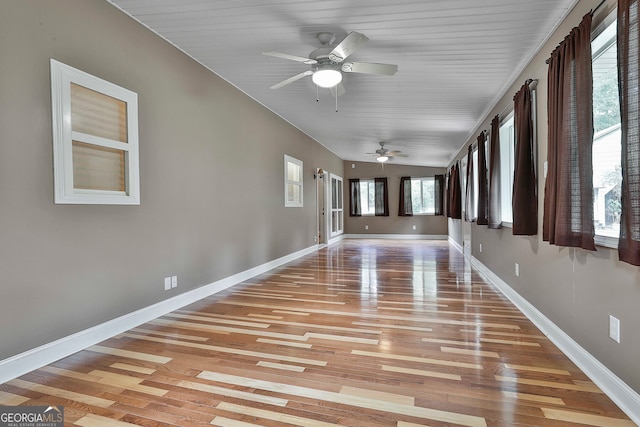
317,93
336,101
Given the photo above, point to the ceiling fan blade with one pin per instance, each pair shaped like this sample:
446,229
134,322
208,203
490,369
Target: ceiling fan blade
347,46
281,55
396,155
369,68
292,79
339,89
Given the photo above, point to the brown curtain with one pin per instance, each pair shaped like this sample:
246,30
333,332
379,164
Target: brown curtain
525,199
483,190
568,198
439,194
354,198
406,204
495,208
456,193
470,195
381,197
447,195
628,69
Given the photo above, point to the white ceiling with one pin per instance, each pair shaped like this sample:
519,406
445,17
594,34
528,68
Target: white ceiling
456,59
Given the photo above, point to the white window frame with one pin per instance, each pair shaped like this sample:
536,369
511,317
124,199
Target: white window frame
293,203
62,76
608,22
336,211
364,208
431,211
507,167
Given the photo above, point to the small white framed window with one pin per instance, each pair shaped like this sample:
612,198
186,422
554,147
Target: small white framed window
293,182
95,139
367,197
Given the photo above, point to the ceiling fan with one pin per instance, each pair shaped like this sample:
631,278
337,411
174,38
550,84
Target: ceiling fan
384,154
327,63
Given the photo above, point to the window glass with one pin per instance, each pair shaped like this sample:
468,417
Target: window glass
607,177
507,153
293,182
423,195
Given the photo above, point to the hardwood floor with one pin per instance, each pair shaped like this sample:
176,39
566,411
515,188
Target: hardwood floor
362,333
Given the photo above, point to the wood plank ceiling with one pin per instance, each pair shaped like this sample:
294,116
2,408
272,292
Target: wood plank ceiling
456,59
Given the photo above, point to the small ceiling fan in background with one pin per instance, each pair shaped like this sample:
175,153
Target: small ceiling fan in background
327,63
382,154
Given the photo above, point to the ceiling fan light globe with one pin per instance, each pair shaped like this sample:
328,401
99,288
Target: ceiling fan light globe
382,159
327,78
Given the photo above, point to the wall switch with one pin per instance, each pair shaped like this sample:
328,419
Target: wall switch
480,247
414,227
167,283
353,165
366,227
517,269
174,281
614,329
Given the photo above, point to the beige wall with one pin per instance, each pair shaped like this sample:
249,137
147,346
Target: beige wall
575,289
211,162
393,224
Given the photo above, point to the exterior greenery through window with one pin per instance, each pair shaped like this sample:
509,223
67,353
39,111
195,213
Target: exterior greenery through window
507,150
367,197
607,176
423,196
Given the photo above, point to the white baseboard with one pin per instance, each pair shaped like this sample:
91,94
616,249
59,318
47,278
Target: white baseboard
623,395
336,239
33,359
398,236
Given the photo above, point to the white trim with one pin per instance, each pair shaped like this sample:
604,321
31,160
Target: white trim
455,244
33,359
617,390
336,239
398,236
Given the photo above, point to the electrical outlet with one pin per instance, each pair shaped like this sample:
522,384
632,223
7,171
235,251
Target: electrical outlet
167,283
174,281
366,227
517,270
614,329
480,247
414,227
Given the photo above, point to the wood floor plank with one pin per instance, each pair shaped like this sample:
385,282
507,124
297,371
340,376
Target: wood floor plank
362,333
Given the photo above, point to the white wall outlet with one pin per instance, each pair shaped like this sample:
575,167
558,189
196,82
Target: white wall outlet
414,227
353,165
480,247
174,281
517,270
614,329
167,283
366,227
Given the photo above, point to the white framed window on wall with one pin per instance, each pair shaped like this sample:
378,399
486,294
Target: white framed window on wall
95,139
337,209
607,175
423,196
507,156
367,197
293,182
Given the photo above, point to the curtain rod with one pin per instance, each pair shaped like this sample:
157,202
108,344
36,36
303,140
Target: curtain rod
592,13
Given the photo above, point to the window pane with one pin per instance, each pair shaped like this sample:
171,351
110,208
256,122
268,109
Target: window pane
293,193
98,168
607,177
98,114
339,194
293,172
428,196
416,196
507,152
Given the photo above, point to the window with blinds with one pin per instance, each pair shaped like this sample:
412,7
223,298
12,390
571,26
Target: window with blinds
95,139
